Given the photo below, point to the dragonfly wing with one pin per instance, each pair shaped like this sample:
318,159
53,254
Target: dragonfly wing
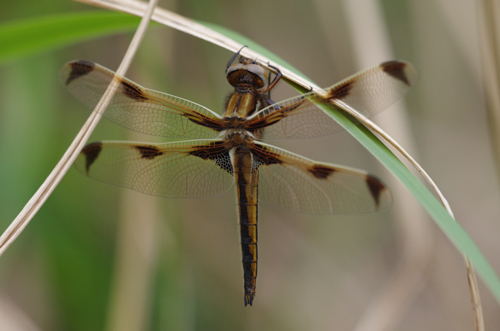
138,108
298,117
370,92
301,185
197,168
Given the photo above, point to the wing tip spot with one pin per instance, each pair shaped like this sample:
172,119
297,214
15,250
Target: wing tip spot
396,69
91,153
78,69
376,188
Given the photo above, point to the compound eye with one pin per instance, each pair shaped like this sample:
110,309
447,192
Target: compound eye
235,67
257,70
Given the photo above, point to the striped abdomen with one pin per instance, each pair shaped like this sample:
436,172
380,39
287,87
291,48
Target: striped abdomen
247,183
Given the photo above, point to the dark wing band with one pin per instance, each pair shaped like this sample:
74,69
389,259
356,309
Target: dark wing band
197,168
138,108
370,92
301,185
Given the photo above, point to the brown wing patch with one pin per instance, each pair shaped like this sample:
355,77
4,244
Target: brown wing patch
133,91
79,69
273,114
376,187
340,91
203,120
217,152
320,171
264,156
91,152
397,70
149,152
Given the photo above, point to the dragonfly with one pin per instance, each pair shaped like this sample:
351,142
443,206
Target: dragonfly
228,149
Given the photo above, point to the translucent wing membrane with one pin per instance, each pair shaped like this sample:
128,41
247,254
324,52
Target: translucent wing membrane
369,92
198,168
301,185
138,108
298,117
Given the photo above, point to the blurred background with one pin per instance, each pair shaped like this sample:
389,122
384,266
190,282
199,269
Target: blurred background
98,257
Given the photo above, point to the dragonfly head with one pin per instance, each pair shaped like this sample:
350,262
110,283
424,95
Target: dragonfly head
247,72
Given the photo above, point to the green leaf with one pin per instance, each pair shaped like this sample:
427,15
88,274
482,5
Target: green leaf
443,219
27,37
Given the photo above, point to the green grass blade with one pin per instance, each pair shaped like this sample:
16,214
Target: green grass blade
443,219
26,37
448,225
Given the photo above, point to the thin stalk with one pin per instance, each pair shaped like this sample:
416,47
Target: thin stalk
488,12
201,31
135,262
48,186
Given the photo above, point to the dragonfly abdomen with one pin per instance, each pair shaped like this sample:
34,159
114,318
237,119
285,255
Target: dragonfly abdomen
247,187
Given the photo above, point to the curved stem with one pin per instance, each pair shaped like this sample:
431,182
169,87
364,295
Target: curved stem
48,186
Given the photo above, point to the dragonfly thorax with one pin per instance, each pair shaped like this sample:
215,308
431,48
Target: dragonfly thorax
234,122
237,137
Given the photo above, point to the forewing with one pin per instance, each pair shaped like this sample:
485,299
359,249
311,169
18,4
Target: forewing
138,108
197,168
369,92
298,184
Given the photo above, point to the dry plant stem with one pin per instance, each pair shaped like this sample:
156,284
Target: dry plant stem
135,262
14,318
42,194
488,11
489,28
137,244
188,26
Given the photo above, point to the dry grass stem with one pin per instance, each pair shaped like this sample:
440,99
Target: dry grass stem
188,26
135,263
489,19
48,186
489,28
13,318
